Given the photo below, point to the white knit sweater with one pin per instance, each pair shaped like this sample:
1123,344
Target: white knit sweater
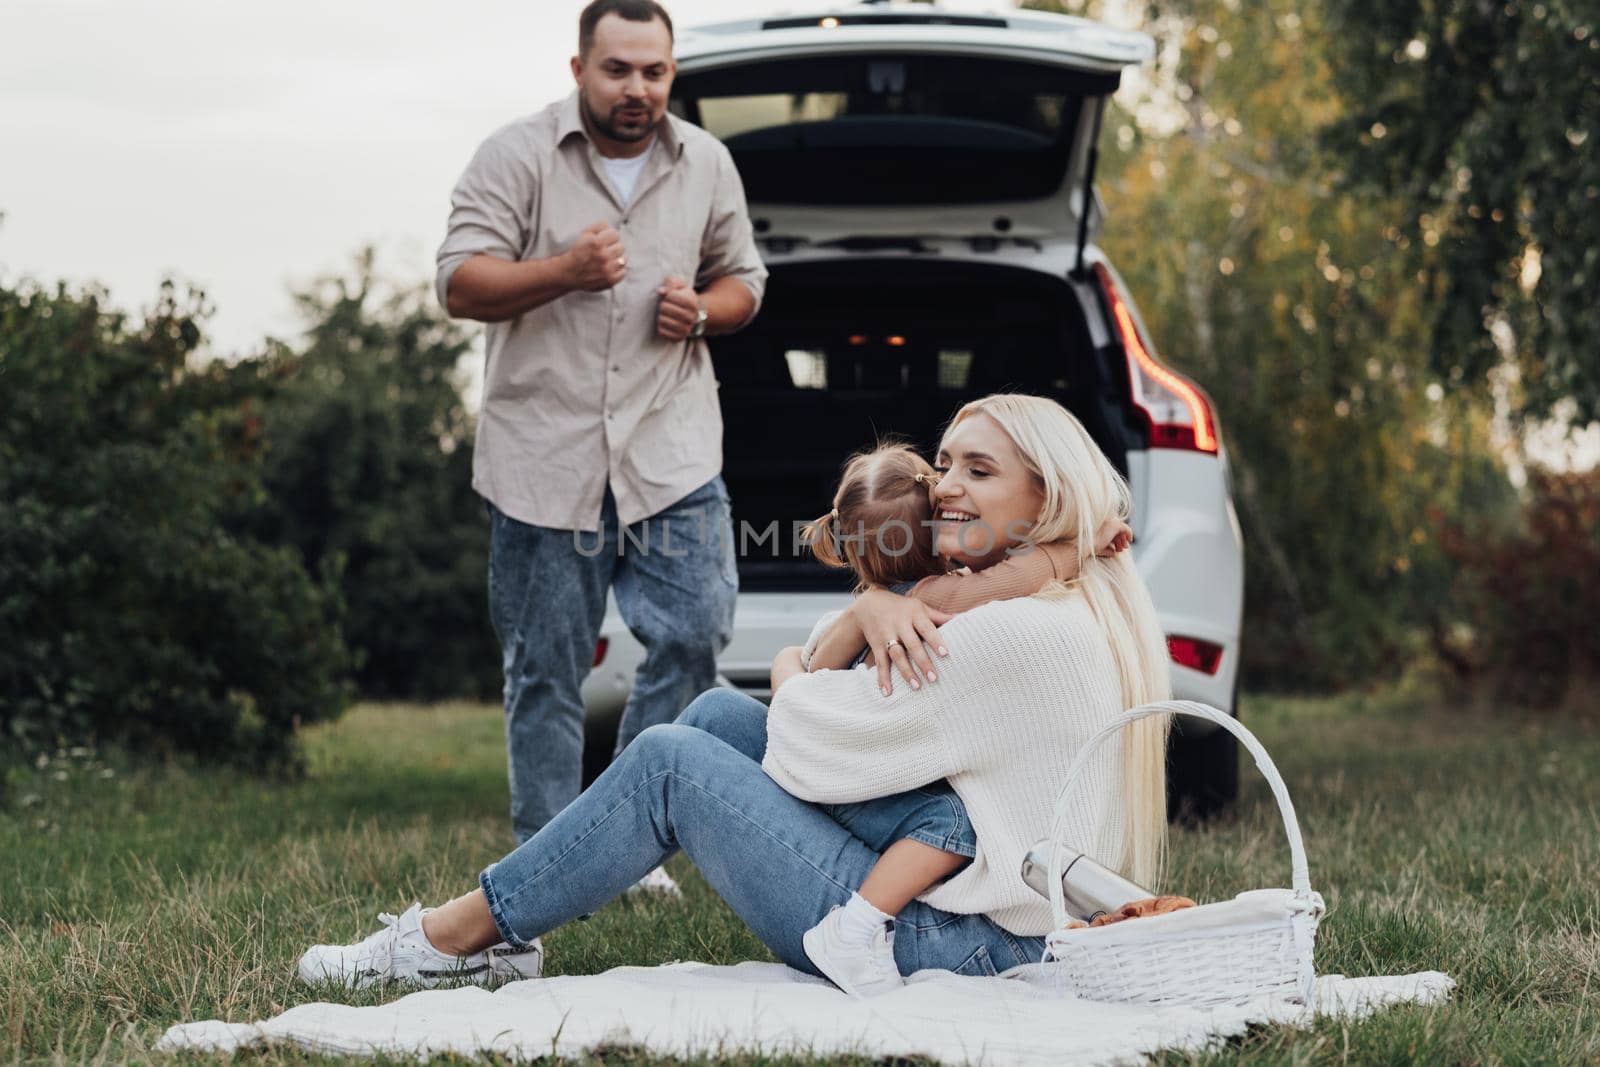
1026,683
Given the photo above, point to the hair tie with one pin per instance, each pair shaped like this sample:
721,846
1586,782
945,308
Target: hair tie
920,476
834,514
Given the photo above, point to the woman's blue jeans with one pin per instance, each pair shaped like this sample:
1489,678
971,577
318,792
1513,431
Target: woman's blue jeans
780,863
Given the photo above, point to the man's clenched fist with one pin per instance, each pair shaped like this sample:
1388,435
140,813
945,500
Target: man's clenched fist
680,309
597,261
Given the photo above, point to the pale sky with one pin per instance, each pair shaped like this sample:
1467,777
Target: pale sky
245,147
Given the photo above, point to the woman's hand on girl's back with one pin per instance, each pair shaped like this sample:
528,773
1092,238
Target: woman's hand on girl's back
905,629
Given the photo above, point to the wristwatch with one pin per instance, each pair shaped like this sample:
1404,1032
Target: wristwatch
699,327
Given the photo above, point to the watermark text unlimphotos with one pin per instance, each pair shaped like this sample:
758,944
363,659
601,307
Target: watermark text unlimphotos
673,536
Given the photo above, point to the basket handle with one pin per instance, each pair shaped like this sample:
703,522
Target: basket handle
1301,876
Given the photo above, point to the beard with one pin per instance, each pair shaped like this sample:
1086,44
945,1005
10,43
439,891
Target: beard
613,127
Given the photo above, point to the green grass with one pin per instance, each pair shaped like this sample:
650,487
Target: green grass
133,897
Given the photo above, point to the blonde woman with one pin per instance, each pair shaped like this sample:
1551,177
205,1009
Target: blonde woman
882,527
1021,684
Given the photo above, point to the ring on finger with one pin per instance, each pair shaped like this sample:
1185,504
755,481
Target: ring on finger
893,642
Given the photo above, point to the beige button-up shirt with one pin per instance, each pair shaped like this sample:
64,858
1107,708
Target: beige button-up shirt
583,391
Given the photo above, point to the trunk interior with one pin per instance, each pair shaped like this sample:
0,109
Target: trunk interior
848,352
895,129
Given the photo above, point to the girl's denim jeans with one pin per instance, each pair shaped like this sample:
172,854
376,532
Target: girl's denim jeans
781,864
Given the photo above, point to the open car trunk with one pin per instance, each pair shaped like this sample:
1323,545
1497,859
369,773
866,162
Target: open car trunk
845,353
858,145
871,120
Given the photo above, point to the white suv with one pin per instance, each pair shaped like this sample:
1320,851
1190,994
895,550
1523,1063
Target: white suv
918,180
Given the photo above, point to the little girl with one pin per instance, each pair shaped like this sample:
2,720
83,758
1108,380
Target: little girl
881,527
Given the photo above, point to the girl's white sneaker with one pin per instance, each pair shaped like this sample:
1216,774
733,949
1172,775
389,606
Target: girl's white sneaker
401,952
860,968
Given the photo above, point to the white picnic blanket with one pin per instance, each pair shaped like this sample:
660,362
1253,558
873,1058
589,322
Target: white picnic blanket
687,1009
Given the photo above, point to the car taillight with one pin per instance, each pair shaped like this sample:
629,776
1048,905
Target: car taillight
1179,413
1191,652
600,651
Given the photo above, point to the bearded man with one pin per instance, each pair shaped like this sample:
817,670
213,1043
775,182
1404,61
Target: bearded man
601,239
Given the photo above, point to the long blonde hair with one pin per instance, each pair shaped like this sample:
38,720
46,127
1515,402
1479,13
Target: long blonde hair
1081,491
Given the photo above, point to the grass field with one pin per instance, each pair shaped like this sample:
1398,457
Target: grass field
132,898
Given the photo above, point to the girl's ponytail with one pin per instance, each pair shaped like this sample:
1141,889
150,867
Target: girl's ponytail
823,539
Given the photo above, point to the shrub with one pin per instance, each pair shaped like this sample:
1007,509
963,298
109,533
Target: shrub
367,468
1530,593
128,611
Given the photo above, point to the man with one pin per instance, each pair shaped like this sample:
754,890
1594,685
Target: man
602,240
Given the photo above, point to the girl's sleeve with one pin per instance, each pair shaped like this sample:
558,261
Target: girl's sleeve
1023,574
834,738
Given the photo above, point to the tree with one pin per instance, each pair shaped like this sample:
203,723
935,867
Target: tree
1295,302
128,611
1482,120
367,468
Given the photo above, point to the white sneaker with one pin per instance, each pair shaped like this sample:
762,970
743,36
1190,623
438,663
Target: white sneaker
862,970
658,883
401,952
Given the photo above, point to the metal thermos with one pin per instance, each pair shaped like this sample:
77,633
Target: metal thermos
1090,890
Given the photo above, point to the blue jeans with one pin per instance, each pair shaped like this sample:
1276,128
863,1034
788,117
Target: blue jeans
675,580
780,863
933,815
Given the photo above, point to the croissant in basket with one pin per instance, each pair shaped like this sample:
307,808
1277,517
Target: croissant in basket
1136,909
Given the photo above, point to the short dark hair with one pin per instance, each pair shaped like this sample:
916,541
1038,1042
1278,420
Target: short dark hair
632,10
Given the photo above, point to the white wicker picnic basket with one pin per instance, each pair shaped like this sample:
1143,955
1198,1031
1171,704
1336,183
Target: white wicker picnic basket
1255,945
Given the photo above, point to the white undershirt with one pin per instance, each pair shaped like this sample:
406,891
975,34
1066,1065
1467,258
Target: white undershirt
624,172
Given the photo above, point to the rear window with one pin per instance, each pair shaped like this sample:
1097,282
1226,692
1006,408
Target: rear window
881,129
